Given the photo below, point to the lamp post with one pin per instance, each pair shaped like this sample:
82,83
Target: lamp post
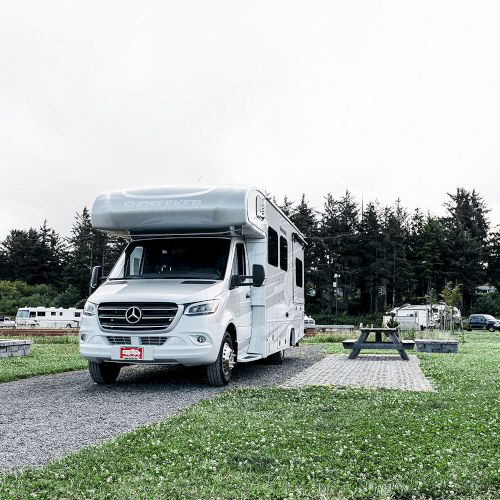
335,283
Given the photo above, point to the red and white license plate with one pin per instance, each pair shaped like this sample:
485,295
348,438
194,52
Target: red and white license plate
131,353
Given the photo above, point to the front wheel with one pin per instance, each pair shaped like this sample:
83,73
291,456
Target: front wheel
491,329
104,373
219,372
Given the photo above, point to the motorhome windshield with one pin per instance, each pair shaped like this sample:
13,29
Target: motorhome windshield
194,258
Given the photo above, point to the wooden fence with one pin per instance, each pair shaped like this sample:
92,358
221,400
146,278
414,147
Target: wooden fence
38,332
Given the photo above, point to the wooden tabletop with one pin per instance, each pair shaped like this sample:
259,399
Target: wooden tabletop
377,329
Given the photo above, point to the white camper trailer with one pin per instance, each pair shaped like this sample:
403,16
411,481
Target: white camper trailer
211,276
424,316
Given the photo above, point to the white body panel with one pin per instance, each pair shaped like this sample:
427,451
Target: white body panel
48,317
265,319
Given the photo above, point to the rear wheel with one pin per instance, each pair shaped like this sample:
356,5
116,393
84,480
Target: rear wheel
219,372
104,373
277,358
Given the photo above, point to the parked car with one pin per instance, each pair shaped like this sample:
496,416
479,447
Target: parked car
5,322
483,322
308,321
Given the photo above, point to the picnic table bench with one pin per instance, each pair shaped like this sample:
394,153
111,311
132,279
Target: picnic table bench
394,342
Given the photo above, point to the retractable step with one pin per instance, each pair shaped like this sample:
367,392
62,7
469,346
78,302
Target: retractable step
249,357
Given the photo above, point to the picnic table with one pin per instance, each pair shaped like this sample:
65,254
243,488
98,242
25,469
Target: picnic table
394,342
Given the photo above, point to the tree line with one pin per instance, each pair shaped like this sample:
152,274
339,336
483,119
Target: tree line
383,256
38,267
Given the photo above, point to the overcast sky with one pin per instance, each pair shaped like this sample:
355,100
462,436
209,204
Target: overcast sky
386,99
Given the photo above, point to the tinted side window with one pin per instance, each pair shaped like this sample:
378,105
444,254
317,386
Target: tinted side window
299,269
40,313
283,253
272,247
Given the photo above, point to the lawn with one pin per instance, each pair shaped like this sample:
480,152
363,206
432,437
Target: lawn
48,355
303,443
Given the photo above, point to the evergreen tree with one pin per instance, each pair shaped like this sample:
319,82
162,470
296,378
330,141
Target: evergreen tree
305,218
87,249
21,256
287,206
338,232
371,252
48,256
396,268
493,259
466,226
427,252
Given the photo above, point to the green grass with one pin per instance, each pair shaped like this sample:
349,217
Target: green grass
48,355
305,443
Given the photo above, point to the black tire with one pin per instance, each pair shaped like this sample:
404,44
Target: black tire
277,358
491,329
219,372
69,325
104,373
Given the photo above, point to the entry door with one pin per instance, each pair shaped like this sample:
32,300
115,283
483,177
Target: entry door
239,300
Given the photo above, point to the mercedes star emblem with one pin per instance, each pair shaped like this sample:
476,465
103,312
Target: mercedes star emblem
133,314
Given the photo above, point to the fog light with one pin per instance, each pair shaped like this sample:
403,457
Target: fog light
83,336
201,339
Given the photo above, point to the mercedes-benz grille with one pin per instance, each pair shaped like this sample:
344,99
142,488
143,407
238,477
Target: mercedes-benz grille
136,316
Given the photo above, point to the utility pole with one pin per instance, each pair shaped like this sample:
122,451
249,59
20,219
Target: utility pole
335,283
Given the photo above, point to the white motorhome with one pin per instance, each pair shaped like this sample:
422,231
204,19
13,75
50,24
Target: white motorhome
49,317
211,276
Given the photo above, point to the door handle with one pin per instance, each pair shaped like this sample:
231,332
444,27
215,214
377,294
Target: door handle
247,295
286,315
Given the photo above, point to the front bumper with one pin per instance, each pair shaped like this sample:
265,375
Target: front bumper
180,347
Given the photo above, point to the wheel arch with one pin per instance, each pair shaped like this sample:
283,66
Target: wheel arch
231,329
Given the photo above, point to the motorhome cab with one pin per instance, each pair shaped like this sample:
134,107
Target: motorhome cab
211,276
48,317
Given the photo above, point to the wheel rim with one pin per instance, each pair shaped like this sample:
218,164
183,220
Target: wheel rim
227,359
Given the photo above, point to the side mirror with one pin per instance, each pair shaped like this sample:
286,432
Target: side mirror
95,279
235,282
258,274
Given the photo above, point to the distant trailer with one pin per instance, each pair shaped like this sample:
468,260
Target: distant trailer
48,317
422,316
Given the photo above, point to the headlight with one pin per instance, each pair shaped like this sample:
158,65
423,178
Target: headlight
89,309
208,307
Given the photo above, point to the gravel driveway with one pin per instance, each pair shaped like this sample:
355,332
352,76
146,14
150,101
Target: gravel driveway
48,416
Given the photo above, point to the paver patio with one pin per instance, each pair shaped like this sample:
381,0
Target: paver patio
376,371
